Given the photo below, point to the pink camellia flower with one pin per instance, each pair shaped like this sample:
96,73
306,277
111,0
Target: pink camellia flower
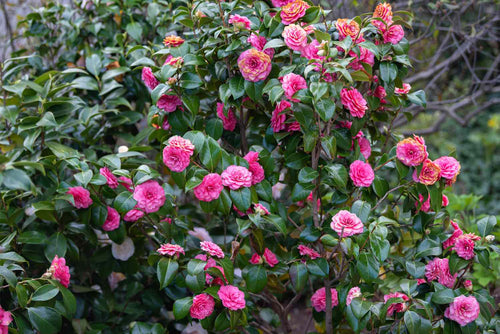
361,173
254,167
291,84
111,180
450,167
175,158
405,90
456,233
236,177
174,61
81,196
464,246
260,209
384,12
446,201
421,281
212,249
439,269
354,292
346,224
295,37
318,299
170,250
169,103
396,307
182,144
365,56
278,117
347,27
150,196
126,182
394,34
270,257
210,188
259,42
148,78
411,151
468,285
310,51
364,147
133,215
354,101
294,126
280,3
240,22
229,121
5,320
202,307
380,92
254,65
200,233
59,271
293,11
426,206
306,251
463,310
217,280
255,259
231,297
430,173
112,220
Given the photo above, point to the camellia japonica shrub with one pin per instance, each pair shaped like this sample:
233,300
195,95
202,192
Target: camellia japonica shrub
269,194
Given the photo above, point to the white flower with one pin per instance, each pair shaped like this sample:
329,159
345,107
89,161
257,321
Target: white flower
122,149
123,251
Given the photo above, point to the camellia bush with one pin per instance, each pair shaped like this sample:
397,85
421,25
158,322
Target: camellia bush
267,192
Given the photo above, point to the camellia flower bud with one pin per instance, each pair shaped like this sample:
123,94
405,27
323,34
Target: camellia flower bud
172,81
122,149
489,238
468,285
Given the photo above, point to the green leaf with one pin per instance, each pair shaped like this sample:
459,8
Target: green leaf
166,271
254,89
256,278
237,87
84,177
221,322
326,109
22,295
412,322
44,293
274,43
190,81
134,29
8,275
485,225
307,174
45,319
368,266
56,245
418,98
124,202
415,269
12,256
380,186
214,128
362,210
242,198
444,296
388,71
298,275
278,222
47,120
98,215
301,191
62,151
93,64
16,179
338,174
195,266
318,267
210,154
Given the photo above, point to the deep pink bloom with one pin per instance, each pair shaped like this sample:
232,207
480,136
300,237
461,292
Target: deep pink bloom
396,307
384,12
464,246
468,285
210,188
148,78
229,121
169,103
126,182
260,209
259,42
295,37
361,173
111,180
281,3
150,196
354,292
405,90
255,259
380,92
450,167
81,196
133,215
354,101
240,22
5,320
60,271
446,201
278,117
310,51
394,34
170,250
202,307
439,269
212,249
318,299
254,167
254,65
463,310
365,56
112,220
236,177
231,297
293,11
456,233
430,173
291,84
364,147
217,280
346,224
270,257
412,151
175,158
421,281
306,251
426,206
294,126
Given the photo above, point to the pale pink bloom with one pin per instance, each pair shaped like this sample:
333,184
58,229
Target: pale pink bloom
254,65
231,297
255,259
411,151
354,101
346,224
291,84
396,307
200,233
347,27
278,117
236,177
260,209
456,233
295,37
310,51
384,12
405,90
280,3
365,56
240,22
430,173
148,78
468,285
175,158
150,196
5,320
354,292
169,103
293,11
463,310
202,307
229,121
126,182
306,251
464,247
394,34
270,257
361,173
212,249
60,271
112,220
259,42
254,167
439,269
170,250
450,167
133,215
174,61
364,147
81,196
182,144
111,180
210,188
308,28
318,299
